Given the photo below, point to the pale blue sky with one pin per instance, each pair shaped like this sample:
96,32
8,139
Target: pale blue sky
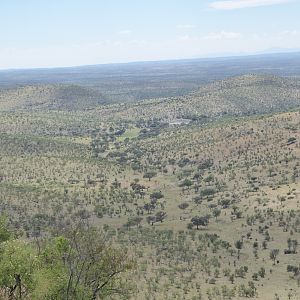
49,33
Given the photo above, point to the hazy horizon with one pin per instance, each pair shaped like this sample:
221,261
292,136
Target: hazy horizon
204,58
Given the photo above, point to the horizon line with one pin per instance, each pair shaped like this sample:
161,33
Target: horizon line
208,57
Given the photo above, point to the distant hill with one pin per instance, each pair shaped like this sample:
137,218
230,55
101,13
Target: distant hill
236,96
251,80
53,97
132,82
246,94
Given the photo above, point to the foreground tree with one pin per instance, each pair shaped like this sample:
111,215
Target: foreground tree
18,263
5,234
93,266
80,264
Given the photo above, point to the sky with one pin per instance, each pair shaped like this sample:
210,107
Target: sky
58,33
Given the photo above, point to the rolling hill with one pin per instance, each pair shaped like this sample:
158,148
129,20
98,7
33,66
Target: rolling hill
133,82
200,207
53,97
236,96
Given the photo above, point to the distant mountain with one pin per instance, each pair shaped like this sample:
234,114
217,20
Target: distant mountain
53,97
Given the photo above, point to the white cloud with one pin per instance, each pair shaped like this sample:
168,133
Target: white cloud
125,32
183,38
289,33
222,35
185,26
237,4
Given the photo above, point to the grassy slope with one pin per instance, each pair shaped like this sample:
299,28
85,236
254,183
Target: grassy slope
59,97
48,168
246,154
238,96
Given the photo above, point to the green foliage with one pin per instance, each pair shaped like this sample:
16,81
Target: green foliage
5,234
79,265
18,262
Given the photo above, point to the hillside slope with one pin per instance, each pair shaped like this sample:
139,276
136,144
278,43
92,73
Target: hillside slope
237,96
242,173
248,94
54,97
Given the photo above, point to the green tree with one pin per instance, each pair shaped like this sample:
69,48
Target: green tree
200,221
5,234
150,174
216,213
79,265
273,255
239,245
18,262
